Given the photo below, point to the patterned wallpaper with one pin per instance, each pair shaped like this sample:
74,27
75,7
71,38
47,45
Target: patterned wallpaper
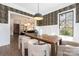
4,13
77,12
51,18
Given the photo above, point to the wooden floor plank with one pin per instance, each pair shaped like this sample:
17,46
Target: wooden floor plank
12,49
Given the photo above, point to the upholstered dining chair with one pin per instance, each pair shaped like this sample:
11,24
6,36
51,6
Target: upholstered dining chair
68,48
24,44
35,49
20,40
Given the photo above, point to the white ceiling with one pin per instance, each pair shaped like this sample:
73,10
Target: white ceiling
44,8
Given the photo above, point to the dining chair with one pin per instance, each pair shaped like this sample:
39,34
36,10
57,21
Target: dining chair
20,40
35,49
24,43
69,48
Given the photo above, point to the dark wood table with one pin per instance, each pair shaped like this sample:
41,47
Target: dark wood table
53,40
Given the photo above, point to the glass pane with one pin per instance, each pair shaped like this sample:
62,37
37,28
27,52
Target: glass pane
69,31
62,30
66,23
62,19
62,23
69,19
69,24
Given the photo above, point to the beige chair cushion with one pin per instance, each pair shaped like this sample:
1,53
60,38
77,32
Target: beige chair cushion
37,50
72,43
68,50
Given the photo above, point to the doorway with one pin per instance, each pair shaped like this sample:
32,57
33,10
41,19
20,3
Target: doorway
24,21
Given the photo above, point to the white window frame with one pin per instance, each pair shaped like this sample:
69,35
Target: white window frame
74,11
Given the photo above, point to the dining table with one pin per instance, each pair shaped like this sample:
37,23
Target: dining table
53,40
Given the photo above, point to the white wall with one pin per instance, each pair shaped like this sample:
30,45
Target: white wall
76,32
51,29
4,34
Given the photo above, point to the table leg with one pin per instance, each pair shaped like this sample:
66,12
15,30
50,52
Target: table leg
54,48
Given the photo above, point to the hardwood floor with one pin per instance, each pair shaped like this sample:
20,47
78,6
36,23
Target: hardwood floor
12,49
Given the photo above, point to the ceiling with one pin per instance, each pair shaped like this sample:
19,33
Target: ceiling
44,8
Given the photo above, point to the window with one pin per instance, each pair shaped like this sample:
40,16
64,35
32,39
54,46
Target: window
66,22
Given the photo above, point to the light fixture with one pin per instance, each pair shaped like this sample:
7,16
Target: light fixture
38,16
27,24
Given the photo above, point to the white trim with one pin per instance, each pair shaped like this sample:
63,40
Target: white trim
5,44
9,21
8,17
74,9
74,21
